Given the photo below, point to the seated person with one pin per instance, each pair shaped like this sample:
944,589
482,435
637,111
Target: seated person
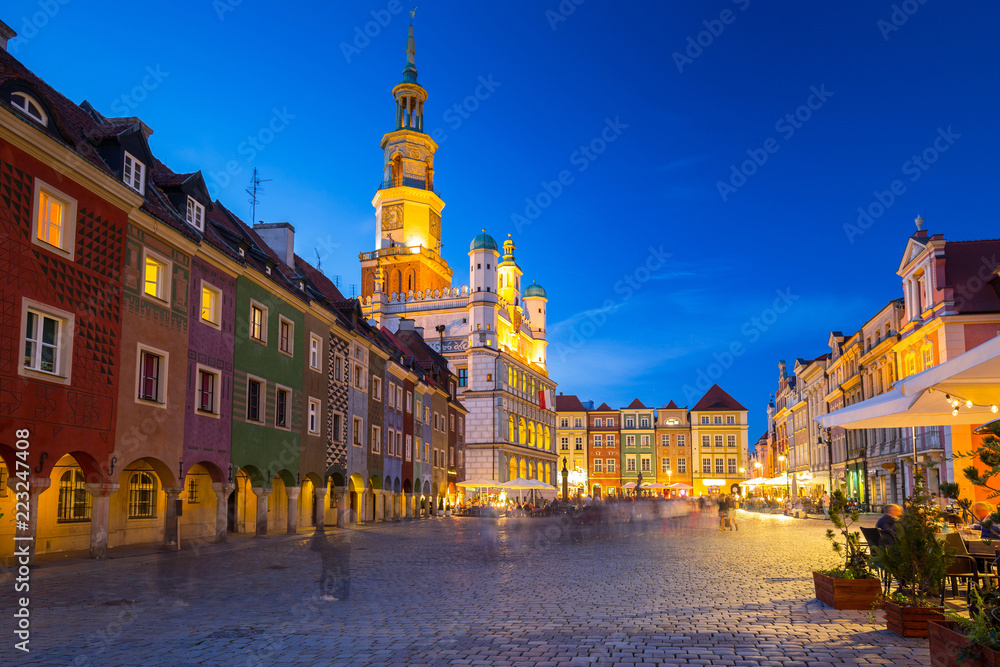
888,520
981,511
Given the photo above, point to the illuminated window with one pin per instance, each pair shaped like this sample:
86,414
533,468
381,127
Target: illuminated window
134,174
463,377
258,322
682,465
74,501
155,272
195,214
50,219
665,464
192,492
30,106
719,466
211,302
142,496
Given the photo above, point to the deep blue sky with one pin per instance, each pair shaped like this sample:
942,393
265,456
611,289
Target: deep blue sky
655,186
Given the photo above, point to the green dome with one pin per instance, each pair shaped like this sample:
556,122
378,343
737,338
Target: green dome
483,242
534,289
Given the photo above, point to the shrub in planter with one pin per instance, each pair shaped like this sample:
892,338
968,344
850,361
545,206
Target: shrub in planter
851,585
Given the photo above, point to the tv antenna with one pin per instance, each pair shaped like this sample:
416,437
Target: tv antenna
319,261
255,182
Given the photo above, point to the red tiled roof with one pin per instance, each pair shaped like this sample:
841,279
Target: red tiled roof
636,403
965,265
717,399
604,407
671,406
569,403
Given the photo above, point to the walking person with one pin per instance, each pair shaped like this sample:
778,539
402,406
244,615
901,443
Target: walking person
732,504
723,511
335,557
825,504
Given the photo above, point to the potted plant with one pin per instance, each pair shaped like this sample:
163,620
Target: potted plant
969,642
851,585
918,561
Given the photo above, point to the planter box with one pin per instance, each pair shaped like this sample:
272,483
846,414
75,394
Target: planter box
946,640
846,593
911,621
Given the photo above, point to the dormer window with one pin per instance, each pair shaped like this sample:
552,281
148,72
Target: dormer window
196,214
134,174
29,106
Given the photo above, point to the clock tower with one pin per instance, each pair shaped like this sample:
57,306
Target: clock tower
407,256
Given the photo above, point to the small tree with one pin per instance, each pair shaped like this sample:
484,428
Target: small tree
916,558
847,544
988,453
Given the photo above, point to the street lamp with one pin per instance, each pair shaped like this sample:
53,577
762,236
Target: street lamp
788,491
565,475
669,475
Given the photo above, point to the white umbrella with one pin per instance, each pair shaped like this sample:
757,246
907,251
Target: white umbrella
653,485
519,483
630,485
479,483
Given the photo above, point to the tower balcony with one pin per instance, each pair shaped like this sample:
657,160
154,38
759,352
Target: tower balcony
403,253
407,182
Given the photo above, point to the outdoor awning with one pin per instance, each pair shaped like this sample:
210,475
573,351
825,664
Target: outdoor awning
756,481
920,400
479,483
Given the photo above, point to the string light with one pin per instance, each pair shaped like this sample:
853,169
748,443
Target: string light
956,404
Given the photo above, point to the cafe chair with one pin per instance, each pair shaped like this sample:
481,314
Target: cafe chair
964,567
874,539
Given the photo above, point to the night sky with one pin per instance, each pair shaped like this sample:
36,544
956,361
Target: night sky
684,178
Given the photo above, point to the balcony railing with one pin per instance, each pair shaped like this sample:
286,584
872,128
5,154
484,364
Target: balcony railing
401,251
406,182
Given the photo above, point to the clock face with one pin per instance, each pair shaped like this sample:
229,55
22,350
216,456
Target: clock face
435,225
392,217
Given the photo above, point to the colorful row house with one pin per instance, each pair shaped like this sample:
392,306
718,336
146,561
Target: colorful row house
182,375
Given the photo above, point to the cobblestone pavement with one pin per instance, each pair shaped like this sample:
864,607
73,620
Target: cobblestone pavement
674,591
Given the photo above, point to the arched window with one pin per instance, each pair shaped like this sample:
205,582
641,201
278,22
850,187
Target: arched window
142,496
511,430
30,106
74,501
397,282
513,468
524,468
522,433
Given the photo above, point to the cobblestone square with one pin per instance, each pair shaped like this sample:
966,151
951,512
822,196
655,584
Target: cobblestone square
661,592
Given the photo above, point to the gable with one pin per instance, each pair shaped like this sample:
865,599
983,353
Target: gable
914,249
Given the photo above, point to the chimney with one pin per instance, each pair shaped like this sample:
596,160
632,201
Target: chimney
405,324
280,237
6,33
419,331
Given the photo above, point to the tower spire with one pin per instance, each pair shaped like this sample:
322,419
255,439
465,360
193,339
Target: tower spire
410,71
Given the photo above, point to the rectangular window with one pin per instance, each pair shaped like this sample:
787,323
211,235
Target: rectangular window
155,277
399,443
682,465
720,468
409,447
630,441
706,441
730,419
564,422
681,440
314,416
42,340
611,465
598,441
211,301
706,466
427,415
644,422
142,496
598,465
629,422
665,440
577,422
51,220
564,444
730,441
451,422
359,378
463,377
704,419
195,214
149,376
192,492
258,322
645,441
134,174
356,432
338,424
718,441
629,464
285,335
409,401
281,404
254,391
731,466
578,444
597,422
315,352
376,388
207,391
338,368
376,439
399,398
717,419
611,440
664,464
74,501
427,452
646,464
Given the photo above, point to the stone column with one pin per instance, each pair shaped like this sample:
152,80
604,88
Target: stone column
379,501
24,537
222,493
407,505
262,492
171,536
361,513
320,508
292,493
341,507
100,517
